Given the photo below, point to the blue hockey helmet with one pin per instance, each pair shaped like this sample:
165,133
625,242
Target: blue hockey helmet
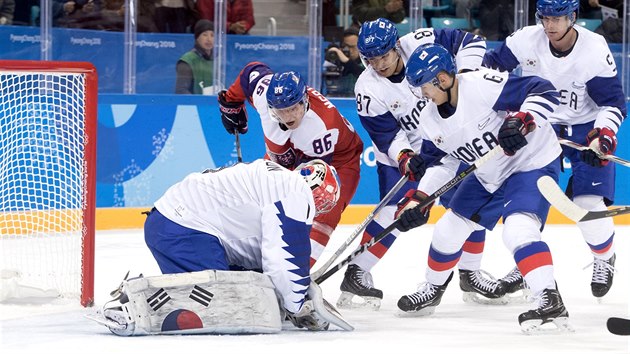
426,62
285,92
377,38
556,8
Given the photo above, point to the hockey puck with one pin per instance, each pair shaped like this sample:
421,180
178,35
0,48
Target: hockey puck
618,326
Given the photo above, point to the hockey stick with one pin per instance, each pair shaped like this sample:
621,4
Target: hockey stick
556,197
430,199
612,158
401,182
618,326
237,143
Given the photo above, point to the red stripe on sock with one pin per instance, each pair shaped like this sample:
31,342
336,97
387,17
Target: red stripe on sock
473,247
534,261
442,266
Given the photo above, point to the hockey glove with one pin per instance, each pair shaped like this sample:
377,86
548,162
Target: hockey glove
233,115
512,133
308,318
411,163
601,142
408,214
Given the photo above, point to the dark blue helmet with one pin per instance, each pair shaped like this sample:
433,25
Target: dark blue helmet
556,8
377,38
426,62
285,90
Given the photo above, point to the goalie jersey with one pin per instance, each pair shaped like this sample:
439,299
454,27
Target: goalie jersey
586,78
387,108
261,212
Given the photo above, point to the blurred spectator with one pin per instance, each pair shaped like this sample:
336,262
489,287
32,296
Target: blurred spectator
174,16
592,8
369,10
466,8
7,8
343,65
496,18
23,13
195,67
239,16
76,13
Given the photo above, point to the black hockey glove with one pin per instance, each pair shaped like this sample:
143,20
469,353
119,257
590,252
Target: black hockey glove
601,140
411,163
408,214
233,114
512,133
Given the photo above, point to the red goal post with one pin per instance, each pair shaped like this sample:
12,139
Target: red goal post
48,112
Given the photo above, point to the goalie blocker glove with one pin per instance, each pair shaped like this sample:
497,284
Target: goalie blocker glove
601,141
233,114
409,216
411,164
513,131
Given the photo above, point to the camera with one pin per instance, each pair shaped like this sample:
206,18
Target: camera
333,67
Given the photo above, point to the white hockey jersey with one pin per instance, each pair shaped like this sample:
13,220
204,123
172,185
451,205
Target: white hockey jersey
484,97
261,212
586,78
387,108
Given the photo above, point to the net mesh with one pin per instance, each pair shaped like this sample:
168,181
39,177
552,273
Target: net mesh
42,180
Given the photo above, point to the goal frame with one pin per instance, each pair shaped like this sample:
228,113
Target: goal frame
89,157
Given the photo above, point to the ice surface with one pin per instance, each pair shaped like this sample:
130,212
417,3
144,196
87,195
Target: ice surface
455,327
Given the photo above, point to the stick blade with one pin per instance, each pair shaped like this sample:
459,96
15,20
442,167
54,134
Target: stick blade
618,326
554,195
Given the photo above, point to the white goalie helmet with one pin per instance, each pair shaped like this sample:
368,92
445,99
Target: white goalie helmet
324,183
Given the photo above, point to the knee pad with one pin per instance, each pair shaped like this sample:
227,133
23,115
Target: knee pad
451,231
520,229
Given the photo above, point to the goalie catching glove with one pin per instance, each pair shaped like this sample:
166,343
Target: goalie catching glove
233,114
513,131
408,214
600,142
316,313
412,164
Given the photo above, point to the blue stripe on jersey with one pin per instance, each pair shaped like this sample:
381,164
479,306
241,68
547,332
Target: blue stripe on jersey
501,59
247,86
517,89
431,154
607,91
296,235
382,129
451,39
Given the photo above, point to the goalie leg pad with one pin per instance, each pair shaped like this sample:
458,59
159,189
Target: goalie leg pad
212,301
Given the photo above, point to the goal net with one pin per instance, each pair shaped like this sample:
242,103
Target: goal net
47,179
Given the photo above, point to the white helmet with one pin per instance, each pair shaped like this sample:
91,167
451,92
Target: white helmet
324,183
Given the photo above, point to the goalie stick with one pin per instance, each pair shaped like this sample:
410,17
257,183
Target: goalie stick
618,326
401,182
556,197
612,158
430,199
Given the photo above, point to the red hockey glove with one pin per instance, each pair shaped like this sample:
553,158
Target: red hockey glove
408,214
602,141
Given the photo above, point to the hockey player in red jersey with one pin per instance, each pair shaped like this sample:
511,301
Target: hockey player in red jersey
299,125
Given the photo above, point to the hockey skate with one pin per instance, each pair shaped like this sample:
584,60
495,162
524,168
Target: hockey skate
550,310
424,301
516,291
358,282
603,272
480,287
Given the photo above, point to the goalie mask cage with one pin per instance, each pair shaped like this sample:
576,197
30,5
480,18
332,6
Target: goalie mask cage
47,179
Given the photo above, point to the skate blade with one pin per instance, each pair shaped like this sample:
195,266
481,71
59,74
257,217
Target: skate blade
523,296
345,301
470,297
100,319
427,311
556,326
